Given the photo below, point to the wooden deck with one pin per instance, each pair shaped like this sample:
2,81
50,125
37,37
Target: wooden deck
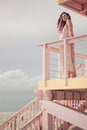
63,87
79,83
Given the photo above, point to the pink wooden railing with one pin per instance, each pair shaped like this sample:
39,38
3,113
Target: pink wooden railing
58,123
35,123
23,116
52,47
80,105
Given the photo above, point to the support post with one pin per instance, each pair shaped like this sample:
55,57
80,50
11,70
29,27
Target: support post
47,123
46,63
46,71
65,60
85,68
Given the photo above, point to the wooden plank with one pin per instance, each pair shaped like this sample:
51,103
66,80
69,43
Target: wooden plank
63,1
58,84
78,6
67,114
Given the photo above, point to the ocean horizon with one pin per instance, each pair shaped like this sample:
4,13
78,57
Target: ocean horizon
14,101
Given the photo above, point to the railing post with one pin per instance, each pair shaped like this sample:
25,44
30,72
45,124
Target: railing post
46,64
47,121
85,68
15,123
65,60
59,74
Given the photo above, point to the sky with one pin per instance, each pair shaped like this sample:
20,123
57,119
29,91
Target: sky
24,24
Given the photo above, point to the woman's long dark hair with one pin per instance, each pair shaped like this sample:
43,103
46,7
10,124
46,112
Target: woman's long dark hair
63,22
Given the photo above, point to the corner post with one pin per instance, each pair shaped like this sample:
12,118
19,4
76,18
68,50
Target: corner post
65,60
46,63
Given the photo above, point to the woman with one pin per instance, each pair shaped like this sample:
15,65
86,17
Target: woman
65,28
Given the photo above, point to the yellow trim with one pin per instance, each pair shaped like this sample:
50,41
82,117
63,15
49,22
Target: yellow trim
59,84
63,1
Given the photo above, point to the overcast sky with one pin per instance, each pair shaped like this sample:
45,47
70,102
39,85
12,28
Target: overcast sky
23,25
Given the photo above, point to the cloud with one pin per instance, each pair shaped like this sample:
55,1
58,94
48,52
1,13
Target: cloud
17,81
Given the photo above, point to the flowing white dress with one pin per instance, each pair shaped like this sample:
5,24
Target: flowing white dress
70,53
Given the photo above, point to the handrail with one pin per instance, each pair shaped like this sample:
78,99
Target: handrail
19,119
69,40
53,46
36,122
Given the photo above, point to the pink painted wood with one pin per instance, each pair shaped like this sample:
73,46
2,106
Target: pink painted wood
22,116
53,47
72,116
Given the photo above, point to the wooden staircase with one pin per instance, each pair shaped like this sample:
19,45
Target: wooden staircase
31,116
23,116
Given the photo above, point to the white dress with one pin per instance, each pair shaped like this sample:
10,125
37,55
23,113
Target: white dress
70,53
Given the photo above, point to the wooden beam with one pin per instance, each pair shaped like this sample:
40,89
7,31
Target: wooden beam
81,56
63,1
67,114
84,8
56,50
74,5
69,40
78,6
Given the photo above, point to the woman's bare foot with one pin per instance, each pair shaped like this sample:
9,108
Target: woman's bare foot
71,74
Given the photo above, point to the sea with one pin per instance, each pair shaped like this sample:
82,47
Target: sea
14,101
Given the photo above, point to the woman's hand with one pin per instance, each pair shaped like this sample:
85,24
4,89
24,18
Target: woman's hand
59,26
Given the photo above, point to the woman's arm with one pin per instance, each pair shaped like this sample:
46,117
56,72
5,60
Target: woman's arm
70,28
59,27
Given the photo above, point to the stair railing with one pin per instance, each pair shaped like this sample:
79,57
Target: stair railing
35,123
27,113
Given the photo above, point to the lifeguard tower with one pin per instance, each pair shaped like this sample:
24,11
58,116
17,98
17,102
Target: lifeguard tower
62,101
